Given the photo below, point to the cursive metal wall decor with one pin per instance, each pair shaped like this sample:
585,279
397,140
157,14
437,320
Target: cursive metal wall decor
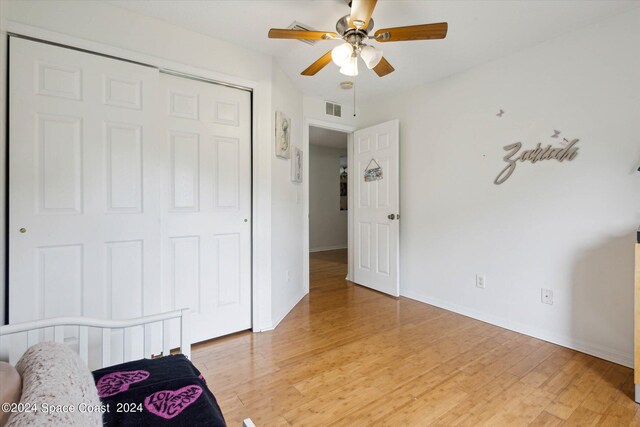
372,173
568,152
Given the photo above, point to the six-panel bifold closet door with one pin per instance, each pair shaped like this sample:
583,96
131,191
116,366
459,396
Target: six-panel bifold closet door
129,194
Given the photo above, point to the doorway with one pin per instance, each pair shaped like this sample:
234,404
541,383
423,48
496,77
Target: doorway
321,138
373,232
328,190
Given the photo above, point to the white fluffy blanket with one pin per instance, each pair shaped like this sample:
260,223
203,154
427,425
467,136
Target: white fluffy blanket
55,382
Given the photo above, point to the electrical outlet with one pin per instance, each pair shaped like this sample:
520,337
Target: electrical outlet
288,275
547,296
480,281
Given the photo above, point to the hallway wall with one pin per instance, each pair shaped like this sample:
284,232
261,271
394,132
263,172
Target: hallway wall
327,223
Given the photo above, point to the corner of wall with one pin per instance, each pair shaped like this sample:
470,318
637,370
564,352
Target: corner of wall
287,208
262,143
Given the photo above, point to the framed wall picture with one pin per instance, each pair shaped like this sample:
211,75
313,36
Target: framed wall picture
283,135
296,165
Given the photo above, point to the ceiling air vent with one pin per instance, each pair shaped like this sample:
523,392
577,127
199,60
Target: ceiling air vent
302,27
333,109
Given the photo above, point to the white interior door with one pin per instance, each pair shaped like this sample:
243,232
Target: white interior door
207,233
376,208
84,151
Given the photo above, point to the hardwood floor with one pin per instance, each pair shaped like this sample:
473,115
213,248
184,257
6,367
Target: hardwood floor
350,356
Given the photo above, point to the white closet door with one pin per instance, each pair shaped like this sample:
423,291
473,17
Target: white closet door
207,234
84,197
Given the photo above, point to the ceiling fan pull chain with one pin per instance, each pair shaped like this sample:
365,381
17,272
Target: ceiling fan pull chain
354,97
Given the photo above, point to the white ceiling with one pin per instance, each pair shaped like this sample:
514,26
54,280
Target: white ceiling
479,31
327,137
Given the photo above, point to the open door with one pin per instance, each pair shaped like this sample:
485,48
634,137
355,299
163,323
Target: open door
376,207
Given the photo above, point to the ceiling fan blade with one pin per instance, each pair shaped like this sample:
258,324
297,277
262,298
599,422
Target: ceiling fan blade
276,33
361,11
318,65
383,68
413,32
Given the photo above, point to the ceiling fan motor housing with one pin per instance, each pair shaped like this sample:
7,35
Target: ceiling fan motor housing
343,28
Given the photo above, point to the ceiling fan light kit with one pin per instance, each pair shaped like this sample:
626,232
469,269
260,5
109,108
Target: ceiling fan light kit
350,67
345,56
371,56
341,54
354,30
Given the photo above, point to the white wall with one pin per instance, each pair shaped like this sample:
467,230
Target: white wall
568,227
148,38
287,206
327,223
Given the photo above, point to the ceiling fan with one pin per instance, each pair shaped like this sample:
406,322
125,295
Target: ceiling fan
354,30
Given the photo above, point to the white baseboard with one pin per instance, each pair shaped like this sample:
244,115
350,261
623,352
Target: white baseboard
292,303
264,328
328,248
565,341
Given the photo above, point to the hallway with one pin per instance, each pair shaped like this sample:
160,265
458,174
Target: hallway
347,355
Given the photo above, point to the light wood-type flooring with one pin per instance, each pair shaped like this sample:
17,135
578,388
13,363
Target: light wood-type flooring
350,356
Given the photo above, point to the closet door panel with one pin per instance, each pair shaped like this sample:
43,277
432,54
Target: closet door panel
207,217
84,196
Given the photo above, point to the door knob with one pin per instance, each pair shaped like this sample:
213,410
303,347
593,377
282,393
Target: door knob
23,230
246,220
391,216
